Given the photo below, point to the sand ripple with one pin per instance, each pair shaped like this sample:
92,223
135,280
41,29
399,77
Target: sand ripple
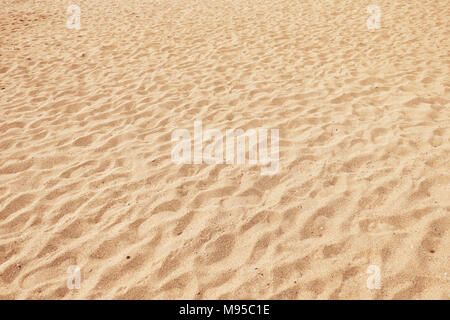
86,176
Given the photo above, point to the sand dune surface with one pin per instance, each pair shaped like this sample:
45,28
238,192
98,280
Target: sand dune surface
358,208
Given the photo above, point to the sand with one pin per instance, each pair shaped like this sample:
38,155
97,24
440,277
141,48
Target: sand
358,209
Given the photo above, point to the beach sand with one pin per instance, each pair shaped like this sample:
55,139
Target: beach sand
358,209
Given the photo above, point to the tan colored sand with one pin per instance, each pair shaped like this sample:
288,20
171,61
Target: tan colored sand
86,176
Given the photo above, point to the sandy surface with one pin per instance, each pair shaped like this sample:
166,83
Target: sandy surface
86,176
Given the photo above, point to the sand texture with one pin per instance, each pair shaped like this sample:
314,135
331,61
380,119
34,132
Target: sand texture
87,179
